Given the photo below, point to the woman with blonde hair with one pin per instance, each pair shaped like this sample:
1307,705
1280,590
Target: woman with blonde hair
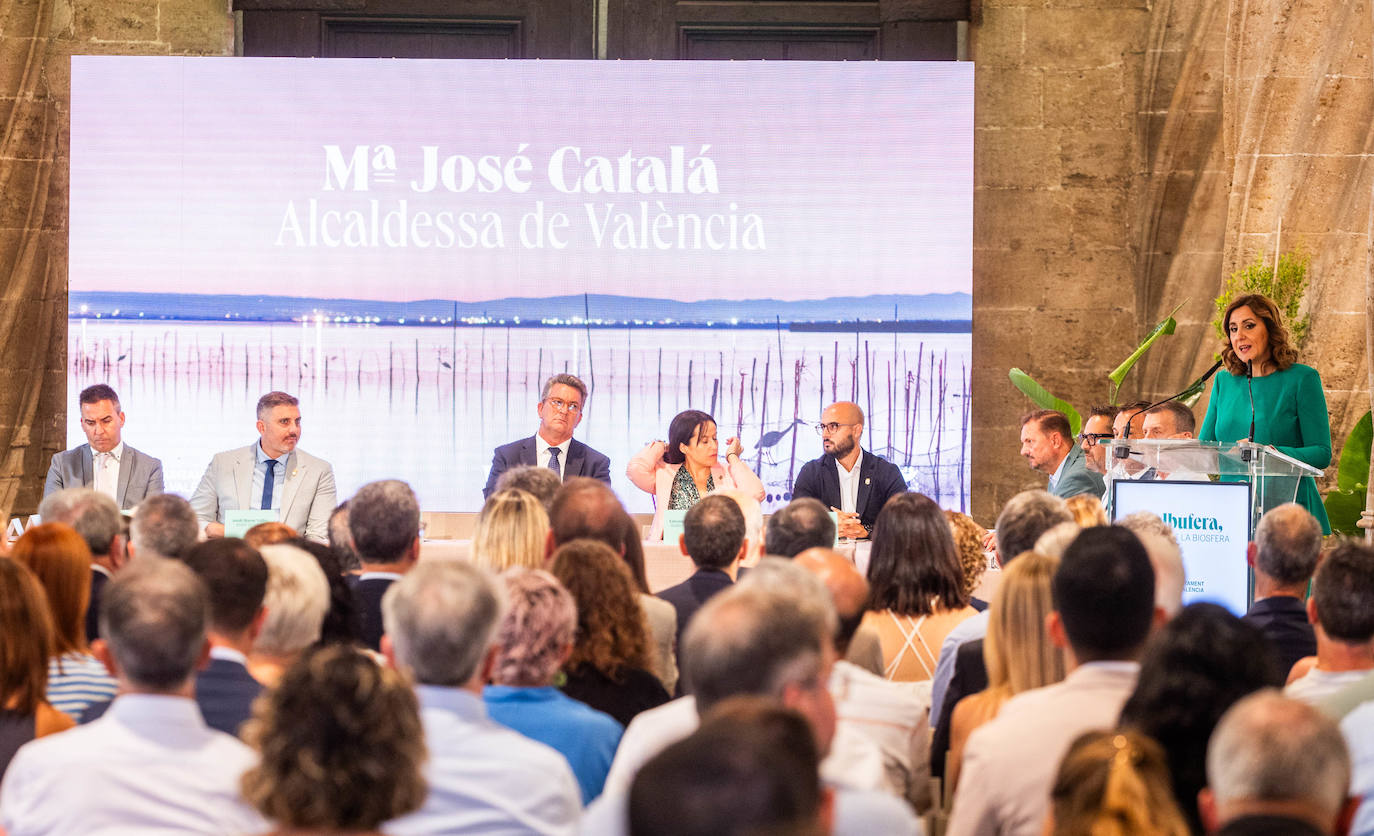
61,561
1113,783
511,531
1087,510
1017,650
25,712
296,602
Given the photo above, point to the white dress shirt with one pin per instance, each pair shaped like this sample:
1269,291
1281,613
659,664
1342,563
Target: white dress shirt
150,765
541,453
1010,761
849,484
105,467
486,779
1358,729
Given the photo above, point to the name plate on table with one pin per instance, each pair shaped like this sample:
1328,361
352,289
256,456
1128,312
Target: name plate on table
237,523
672,524
835,520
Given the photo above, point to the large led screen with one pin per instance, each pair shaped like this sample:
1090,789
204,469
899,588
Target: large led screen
411,247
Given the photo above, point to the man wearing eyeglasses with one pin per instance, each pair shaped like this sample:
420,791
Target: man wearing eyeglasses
560,411
1096,430
853,483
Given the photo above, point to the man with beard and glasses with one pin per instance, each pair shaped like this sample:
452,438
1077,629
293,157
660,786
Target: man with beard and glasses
853,483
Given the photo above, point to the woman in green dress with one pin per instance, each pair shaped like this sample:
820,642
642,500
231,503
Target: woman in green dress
1289,404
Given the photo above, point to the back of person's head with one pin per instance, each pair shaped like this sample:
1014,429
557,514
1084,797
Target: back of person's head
913,568
784,578
1148,522
341,539
1104,592
713,531
26,625
1017,650
752,767
1087,510
164,525
1058,538
1192,670
384,519
1114,783
847,589
296,601
539,482
1182,417
753,515
94,515
1024,518
611,632
269,534
1268,749
153,619
341,746
343,623
1288,541
235,575
1167,560
968,544
804,523
58,557
510,531
585,509
537,631
1343,593
751,641
439,621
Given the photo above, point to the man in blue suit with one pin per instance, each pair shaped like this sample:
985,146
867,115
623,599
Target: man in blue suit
560,411
1047,443
236,577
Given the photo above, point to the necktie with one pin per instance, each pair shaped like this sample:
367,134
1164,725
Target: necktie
267,483
553,462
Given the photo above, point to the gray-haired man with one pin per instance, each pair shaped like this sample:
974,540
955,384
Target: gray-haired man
560,411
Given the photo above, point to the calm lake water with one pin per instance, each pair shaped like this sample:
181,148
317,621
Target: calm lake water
428,405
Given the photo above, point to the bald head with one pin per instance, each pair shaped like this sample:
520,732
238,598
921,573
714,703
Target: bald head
847,587
586,508
843,412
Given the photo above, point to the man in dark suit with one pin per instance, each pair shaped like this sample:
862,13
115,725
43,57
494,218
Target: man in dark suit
853,483
105,462
96,518
713,537
384,519
560,411
236,577
1284,554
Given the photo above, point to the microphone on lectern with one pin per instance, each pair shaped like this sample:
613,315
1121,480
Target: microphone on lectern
1123,452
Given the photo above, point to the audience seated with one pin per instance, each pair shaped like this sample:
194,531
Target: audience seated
753,523
341,540
26,625
512,530
586,509
96,517
164,525
269,534
713,537
916,586
1167,560
751,768
1276,767
890,715
384,521
751,641
1103,594
296,601
1342,611
59,558
341,746
150,765
536,638
1087,510
1026,516
539,482
1195,668
1057,539
973,559
441,621
1284,553
1018,653
235,575
804,523
1357,726
343,624
609,667
1114,782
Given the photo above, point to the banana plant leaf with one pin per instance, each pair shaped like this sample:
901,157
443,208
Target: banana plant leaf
1190,396
1043,399
1166,327
1345,502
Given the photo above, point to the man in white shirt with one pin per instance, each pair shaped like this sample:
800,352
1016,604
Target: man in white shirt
150,765
441,621
1104,599
851,482
1341,610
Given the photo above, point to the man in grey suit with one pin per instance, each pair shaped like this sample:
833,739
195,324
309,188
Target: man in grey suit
1048,445
105,462
269,474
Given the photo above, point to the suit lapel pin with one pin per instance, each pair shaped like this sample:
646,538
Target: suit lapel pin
868,481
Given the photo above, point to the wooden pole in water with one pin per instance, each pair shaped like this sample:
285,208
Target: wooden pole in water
834,375
689,382
868,379
660,384
739,411
890,414
796,416
763,415
715,390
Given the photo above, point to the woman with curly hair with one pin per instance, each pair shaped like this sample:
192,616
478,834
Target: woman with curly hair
342,747
609,667
973,560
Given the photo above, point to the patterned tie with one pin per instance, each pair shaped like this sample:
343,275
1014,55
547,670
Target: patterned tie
553,462
267,483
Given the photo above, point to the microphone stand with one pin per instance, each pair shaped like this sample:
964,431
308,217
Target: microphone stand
1123,452
1248,453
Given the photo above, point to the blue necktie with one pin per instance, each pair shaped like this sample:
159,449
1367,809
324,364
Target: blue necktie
267,483
553,462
